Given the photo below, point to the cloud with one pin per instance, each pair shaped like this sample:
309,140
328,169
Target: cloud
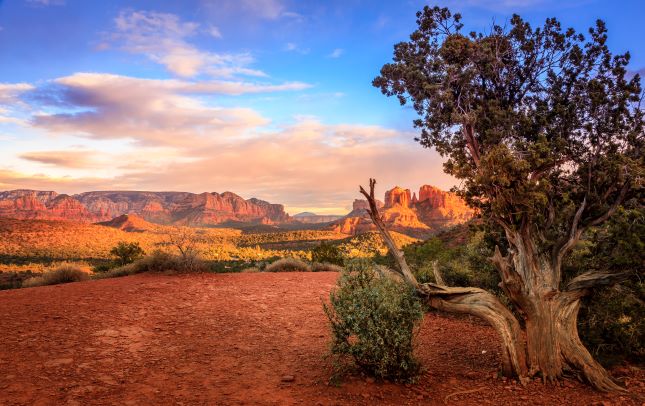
214,32
147,111
163,38
293,47
47,2
303,164
67,159
336,53
9,92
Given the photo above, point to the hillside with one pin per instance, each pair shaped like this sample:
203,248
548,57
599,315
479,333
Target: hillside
181,208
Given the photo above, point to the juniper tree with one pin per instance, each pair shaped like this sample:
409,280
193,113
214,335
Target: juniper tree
543,127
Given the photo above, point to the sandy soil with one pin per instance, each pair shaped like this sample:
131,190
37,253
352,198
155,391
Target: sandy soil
233,339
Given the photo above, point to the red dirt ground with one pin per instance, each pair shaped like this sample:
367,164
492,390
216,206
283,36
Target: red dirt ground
230,339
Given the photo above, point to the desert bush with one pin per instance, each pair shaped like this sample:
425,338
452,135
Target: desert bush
63,274
250,270
288,265
127,252
373,323
14,280
327,253
325,267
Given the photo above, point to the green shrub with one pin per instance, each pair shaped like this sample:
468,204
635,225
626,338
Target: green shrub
327,253
373,323
127,252
104,267
288,265
63,274
325,267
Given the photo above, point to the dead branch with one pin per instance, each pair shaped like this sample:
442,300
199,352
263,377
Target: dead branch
474,301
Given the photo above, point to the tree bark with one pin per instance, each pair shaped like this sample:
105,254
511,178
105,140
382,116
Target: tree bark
532,283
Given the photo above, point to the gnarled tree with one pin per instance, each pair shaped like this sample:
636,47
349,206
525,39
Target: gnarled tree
544,129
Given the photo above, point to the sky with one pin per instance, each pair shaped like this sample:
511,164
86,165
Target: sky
265,98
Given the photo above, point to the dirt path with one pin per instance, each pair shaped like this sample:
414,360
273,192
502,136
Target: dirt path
230,339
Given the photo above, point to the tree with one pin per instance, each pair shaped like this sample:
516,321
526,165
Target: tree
127,252
544,129
185,239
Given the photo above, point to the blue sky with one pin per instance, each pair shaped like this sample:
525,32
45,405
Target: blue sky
266,98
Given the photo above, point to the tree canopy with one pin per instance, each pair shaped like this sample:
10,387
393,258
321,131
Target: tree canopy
543,125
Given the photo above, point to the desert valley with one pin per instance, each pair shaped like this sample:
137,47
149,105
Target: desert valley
325,203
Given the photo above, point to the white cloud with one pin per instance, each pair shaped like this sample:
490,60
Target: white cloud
47,2
293,47
214,32
163,38
336,53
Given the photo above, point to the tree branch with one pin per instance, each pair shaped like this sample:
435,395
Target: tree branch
594,279
474,301
374,214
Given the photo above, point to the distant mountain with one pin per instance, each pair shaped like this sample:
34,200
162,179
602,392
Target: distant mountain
432,211
181,208
308,217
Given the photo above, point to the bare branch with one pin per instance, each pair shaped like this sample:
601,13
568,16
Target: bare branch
593,279
404,269
437,274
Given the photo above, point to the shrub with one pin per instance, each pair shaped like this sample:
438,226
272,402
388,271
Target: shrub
325,267
288,265
63,274
127,252
157,262
327,253
250,270
373,322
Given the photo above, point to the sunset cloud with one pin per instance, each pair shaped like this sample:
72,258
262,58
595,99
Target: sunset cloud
67,159
147,111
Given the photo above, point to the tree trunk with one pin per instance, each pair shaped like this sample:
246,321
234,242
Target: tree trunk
532,282
552,342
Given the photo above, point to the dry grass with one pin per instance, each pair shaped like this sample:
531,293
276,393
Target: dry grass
63,274
288,265
325,267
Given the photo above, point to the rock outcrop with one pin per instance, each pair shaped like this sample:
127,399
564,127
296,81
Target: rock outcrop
404,212
156,207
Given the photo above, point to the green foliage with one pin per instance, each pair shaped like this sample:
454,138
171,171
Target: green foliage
63,274
612,320
288,265
463,265
534,121
373,322
127,252
327,253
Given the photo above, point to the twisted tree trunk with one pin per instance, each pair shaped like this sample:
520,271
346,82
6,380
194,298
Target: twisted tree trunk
532,283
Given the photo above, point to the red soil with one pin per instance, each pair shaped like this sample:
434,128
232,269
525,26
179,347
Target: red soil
231,339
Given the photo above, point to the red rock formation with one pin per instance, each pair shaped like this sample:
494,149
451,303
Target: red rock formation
130,223
397,196
433,210
158,207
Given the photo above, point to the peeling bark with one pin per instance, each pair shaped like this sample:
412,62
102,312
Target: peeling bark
532,283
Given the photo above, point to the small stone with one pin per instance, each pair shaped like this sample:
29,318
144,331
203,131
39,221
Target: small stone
369,380
288,378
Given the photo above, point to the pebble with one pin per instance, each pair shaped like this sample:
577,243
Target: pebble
288,378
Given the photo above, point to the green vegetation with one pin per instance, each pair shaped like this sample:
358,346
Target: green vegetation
127,252
373,322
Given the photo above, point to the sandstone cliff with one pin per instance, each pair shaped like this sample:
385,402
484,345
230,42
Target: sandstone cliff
156,207
404,212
